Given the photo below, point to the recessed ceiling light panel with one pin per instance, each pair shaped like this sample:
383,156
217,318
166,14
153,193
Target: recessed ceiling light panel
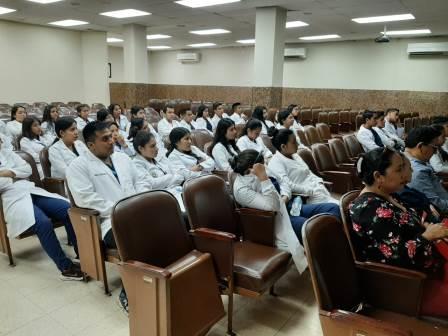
114,40
407,32
248,41
158,47
45,1
210,31
157,36
204,3
319,37
201,45
4,10
125,13
69,23
294,24
386,18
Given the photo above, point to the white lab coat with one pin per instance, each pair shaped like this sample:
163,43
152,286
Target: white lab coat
222,156
94,186
385,138
366,139
48,133
16,196
61,156
164,127
186,125
181,162
244,143
3,127
123,123
237,119
81,123
33,147
297,126
393,136
14,129
163,176
294,176
438,164
390,128
215,120
250,192
202,124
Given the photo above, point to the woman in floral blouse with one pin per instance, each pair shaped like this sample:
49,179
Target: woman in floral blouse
385,231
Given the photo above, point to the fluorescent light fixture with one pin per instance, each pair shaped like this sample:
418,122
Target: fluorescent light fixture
209,31
68,23
159,47
320,37
248,41
45,1
114,40
125,13
157,37
201,45
408,32
4,10
204,3
294,24
386,18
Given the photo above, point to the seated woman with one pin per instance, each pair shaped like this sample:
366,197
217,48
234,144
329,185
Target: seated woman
51,114
439,160
66,147
251,139
27,207
224,147
260,113
387,232
203,120
31,141
253,188
185,157
14,127
294,110
120,119
161,171
271,117
82,119
104,115
120,143
285,120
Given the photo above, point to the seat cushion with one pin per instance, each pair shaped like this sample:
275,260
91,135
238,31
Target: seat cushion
257,267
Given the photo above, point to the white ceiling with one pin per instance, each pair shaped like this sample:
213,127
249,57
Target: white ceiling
323,16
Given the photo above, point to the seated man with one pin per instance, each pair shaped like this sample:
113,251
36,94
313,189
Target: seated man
421,144
238,116
166,125
218,114
187,121
101,177
392,121
387,139
367,136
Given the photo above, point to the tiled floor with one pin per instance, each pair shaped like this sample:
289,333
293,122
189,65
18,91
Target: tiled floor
35,302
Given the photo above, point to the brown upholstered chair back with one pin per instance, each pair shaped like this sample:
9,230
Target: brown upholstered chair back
200,138
353,146
149,228
306,116
307,156
239,130
34,177
324,131
312,135
45,162
323,157
333,117
302,137
346,199
339,150
408,125
322,117
331,264
209,205
268,143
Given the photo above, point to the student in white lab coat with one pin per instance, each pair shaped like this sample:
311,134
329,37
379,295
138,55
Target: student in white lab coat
285,120
218,114
104,115
388,140
51,114
253,188
251,139
14,127
224,147
271,117
27,207
161,171
168,123
260,113
66,147
32,142
367,136
391,121
83,116
238,116
120,119
102,177
186,116
121,144
294,110
185,157
203,120
439,160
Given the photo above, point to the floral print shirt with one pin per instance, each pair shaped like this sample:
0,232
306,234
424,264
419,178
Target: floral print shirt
383,232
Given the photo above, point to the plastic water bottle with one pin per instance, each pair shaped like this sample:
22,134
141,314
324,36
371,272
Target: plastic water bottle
296,206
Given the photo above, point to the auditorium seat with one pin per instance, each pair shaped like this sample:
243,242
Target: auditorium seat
408,125
302,137
340,152
200,138
325,132
312,135
360,298
353,146
249,265
344,122
306,116
240,130
425,121
416,122
315,111
353,115
52,184
307,156
322,117
341,176
333,121
171,291
268,143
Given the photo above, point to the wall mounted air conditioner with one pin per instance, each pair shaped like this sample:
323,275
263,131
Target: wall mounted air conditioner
428,48
189,57
295,53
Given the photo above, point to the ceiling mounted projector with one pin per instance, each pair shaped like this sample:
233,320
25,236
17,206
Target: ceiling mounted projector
383,38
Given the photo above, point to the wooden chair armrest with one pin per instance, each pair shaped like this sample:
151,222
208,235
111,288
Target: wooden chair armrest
220,245
328,185
54,185
146,268
257,226
367,324
342,180
402,272
222,174
84,211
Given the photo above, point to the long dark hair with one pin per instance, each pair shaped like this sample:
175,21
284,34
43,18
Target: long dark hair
290,108
252,124
47,115
246,160
175,136
26,127
62,124
141,139
282,116
14,110
259,114
136,125
440,129
220,135
200,114
111,109
281,137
